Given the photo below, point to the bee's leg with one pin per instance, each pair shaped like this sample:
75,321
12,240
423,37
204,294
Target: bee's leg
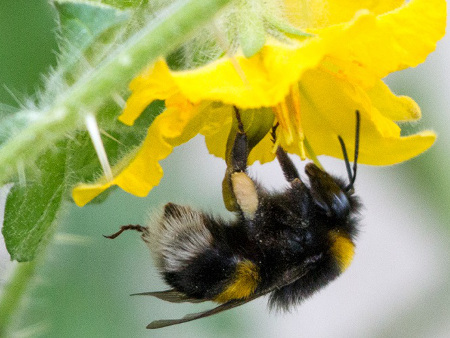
239,152
243,187
123,228
289,170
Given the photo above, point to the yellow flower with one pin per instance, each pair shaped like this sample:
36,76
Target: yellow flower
311,86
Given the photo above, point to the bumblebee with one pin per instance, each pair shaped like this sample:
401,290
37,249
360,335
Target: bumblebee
285,244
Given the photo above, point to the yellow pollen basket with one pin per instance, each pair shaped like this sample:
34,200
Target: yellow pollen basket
244,283
342,249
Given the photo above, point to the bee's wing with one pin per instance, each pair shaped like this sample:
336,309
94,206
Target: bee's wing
288,277
157,324
171,296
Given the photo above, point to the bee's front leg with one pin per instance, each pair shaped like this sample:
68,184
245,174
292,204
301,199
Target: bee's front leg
289,170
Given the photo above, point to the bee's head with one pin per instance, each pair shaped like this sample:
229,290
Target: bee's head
328,193
331,194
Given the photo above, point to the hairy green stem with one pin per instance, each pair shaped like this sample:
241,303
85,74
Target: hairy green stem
173,26
13,294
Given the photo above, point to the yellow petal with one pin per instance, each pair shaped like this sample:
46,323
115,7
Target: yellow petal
322,13
268,75
153,84
84,193
413,32
328,110
387,151
396,108
262,151
370,47
217,129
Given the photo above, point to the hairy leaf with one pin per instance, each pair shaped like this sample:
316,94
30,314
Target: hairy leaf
32,207
82,22
82,25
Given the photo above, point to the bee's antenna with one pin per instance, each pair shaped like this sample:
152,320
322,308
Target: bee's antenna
347,163
355,157
352,174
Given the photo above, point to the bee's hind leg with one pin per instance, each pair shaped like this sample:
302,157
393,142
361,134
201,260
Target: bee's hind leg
243,187
239,152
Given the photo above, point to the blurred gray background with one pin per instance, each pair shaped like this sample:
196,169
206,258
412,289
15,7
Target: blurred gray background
397,286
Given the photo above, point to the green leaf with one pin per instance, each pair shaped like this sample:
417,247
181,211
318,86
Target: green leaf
82,24
126,3
122,4
6,109
32,207
13,293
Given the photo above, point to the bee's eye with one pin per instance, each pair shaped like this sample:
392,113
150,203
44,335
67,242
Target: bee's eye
340,206
326,193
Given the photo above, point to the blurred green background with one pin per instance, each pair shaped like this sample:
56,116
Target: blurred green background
398,285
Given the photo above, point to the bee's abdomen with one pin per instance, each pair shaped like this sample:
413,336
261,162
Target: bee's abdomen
177,237
197,262
205,277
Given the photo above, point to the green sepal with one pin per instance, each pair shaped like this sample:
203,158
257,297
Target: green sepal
251,30
287,28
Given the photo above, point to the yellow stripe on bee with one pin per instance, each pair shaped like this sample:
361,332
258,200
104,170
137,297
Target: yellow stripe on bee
243,284
342,249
